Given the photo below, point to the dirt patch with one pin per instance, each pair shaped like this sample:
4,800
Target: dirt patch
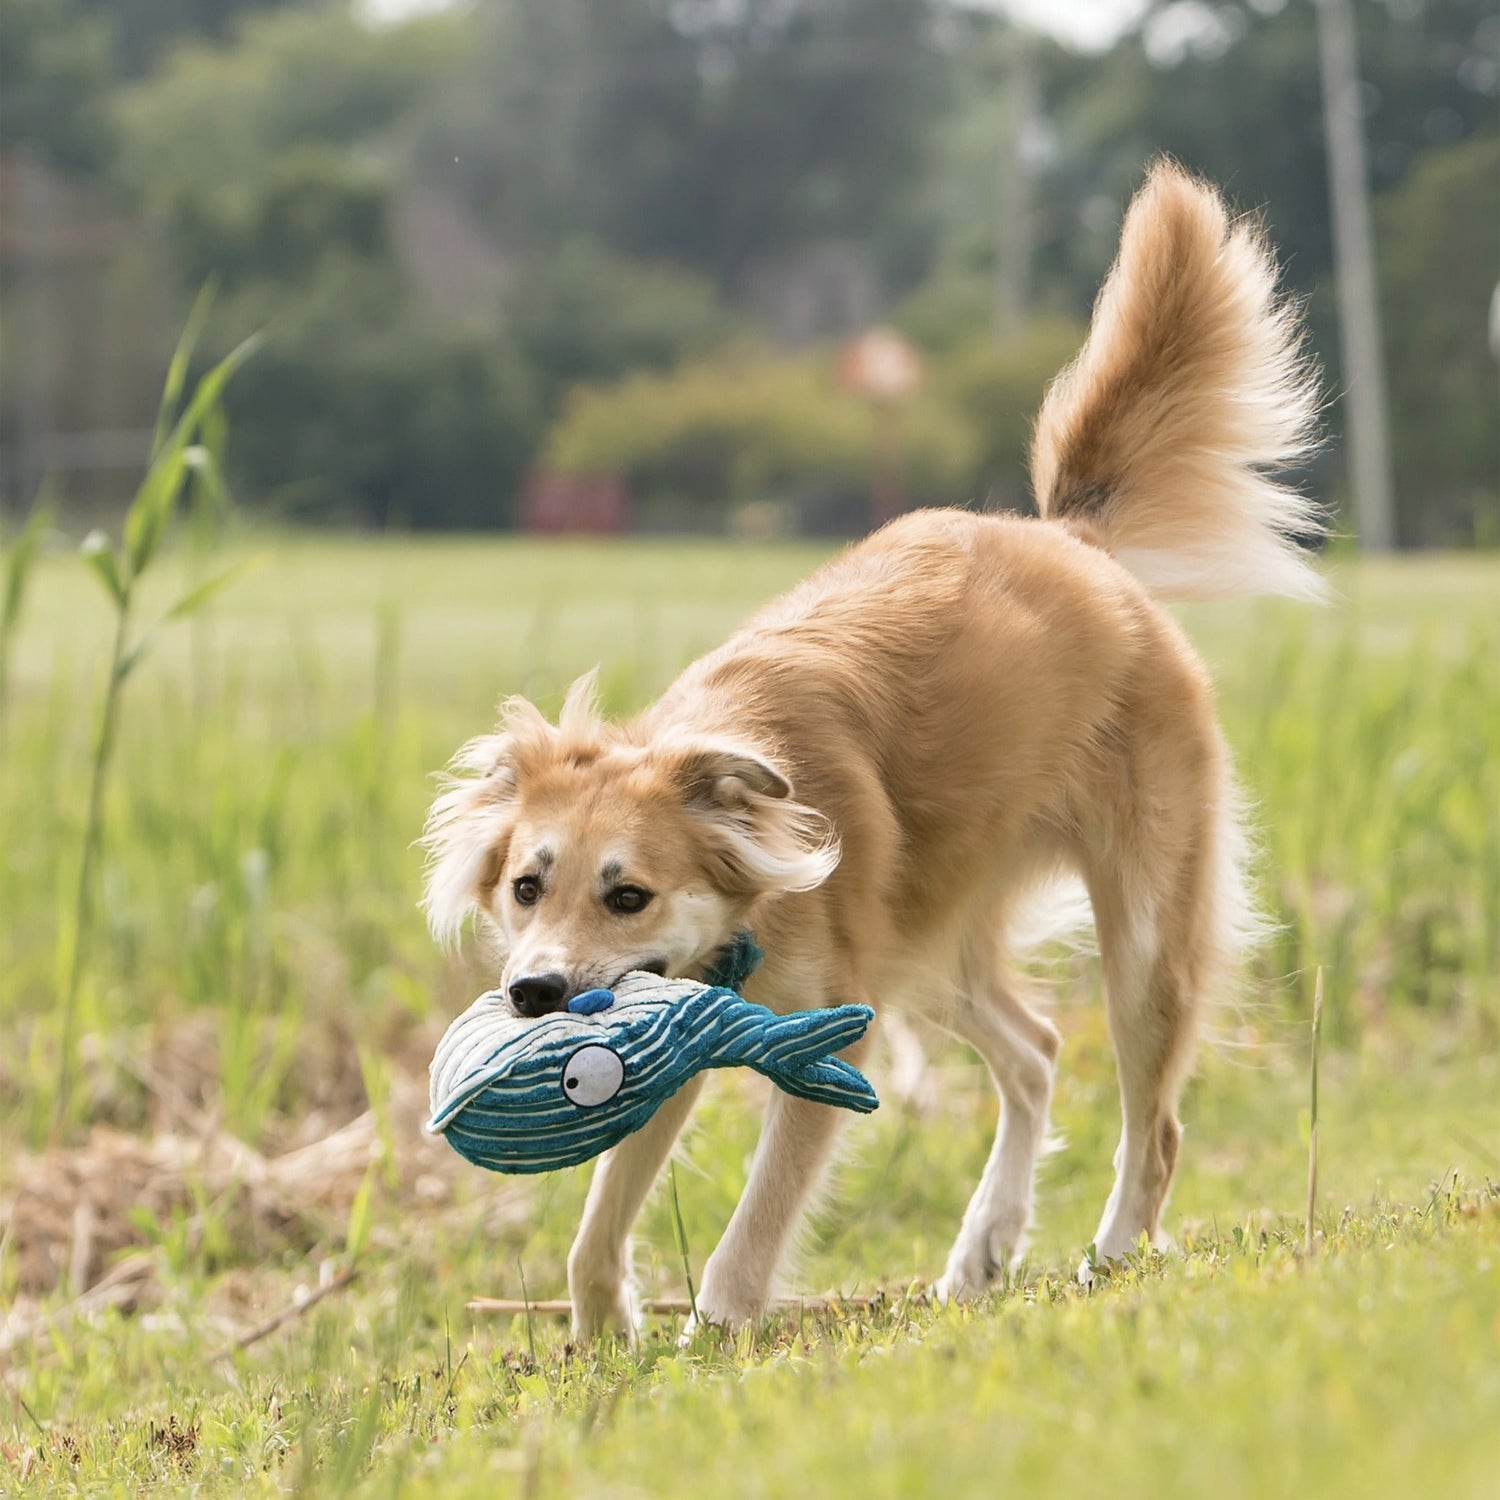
71,1213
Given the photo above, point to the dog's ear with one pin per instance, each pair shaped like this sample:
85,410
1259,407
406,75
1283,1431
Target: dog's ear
468,828
716,772
758,839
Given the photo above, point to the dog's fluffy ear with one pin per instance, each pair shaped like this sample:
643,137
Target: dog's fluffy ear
759,840
468,828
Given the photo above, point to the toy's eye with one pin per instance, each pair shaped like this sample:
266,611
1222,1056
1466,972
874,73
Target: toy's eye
527,890
593,1075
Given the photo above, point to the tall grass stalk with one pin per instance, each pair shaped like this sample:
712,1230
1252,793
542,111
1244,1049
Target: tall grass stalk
175,459
1312,1133
679,1229
526,1302
20,559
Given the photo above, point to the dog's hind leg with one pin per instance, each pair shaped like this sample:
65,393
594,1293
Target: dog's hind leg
1020,1049
599,1272
1168,904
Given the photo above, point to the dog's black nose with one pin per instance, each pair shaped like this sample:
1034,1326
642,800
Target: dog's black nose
537,994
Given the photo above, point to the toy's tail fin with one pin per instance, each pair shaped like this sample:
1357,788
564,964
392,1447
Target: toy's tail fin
807,1035
796,1055
831,1081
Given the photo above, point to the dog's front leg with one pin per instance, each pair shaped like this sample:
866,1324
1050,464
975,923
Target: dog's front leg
599,1268
794,1148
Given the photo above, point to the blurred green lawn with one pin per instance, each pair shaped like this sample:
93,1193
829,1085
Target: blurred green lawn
260,897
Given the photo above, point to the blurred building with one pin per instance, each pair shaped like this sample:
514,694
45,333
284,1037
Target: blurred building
84,297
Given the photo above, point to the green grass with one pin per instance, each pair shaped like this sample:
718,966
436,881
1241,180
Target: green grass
260,966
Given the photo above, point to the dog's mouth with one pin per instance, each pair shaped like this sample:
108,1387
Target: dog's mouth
657,966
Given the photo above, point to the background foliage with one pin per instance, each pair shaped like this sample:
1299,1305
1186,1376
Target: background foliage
450,222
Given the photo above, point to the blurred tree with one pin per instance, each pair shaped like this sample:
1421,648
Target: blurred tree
996,389
360,410
815,119
143,31
55,84
708,135
313,204
720,433
1441,230
218,119
586,315
1231,89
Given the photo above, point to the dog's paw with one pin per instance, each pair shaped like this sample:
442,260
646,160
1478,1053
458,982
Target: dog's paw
695,1324
603,1305
965,1280
978,1260
601,1314
728,1301
1104,1254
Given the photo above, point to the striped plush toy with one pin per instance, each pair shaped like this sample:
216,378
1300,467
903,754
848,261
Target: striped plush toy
529,1095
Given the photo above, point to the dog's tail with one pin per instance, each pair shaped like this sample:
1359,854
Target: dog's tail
1160,442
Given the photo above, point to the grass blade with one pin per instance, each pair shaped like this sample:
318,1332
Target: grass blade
20,560
152,508
1312,1140
679,1229
22,556
191,601
526,1300
182,357
98,554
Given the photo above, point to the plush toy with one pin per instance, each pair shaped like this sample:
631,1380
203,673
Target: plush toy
530,1095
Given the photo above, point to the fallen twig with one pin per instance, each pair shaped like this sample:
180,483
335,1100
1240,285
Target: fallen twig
294,1309
118,1287
561,1307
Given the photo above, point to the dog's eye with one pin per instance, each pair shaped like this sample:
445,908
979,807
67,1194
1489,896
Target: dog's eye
527,890
627,899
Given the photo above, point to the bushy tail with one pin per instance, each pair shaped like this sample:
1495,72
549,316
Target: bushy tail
1161,440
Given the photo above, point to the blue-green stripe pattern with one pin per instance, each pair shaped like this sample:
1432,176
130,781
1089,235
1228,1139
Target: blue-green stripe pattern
497,1079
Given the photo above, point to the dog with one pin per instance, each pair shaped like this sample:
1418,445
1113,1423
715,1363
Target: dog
882,771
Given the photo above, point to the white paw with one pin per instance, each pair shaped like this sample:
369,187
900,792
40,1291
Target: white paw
729,1301
603,1304
981,1258
1115,1247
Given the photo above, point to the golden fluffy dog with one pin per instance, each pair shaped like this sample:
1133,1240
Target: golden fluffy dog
885,767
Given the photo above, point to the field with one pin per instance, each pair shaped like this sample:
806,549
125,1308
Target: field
261,999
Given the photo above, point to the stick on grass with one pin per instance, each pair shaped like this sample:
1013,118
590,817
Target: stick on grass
292,1310
561,1307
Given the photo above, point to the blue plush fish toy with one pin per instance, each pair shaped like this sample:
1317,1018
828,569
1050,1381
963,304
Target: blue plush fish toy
530,1095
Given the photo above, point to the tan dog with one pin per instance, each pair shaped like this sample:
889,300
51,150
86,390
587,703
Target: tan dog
881,767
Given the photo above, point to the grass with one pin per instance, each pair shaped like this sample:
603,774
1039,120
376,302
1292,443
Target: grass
260,972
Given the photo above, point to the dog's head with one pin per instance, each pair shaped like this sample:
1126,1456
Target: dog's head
590,850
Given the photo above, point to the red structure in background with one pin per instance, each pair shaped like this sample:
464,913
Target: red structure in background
585,505
885,369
